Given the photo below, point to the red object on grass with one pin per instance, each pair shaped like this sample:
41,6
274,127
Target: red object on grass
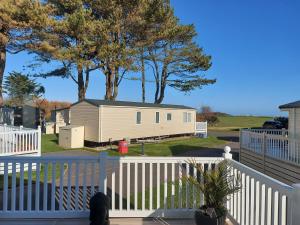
123,147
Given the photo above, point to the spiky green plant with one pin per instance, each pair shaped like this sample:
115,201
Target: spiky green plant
216,184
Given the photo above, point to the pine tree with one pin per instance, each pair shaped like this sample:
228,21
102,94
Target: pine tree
20,87
17,18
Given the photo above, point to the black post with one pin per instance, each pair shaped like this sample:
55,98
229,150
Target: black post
143,149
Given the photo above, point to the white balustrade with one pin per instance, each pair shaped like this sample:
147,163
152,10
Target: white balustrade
201,128
19,140
138,187
271,143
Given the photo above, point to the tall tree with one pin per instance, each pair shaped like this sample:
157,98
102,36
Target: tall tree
117,47
20,87
156,15
69,37
17,18
177,62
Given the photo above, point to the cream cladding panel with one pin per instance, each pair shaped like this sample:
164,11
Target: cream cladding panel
120,122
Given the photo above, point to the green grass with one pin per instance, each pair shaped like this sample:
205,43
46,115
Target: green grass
186,198
33,175
238,122
50,143
172,147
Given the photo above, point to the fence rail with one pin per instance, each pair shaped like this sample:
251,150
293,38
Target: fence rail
261,200
138,187
271,144
19,141
201,128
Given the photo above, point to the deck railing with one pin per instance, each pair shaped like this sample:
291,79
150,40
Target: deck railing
201,128
138,187
271,143
19,141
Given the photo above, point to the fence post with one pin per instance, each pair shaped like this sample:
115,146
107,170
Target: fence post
264,149
102,176
293,207
5,125
39,141
227,154
241,145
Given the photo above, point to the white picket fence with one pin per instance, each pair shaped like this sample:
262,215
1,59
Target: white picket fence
138,187
201,129
19,141
272,143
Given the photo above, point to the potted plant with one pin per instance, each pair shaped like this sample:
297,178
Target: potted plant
217,185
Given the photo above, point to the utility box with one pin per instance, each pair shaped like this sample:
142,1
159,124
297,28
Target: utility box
49,128
71,136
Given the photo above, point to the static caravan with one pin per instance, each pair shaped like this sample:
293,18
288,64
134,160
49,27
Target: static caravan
106,121
293,109
61,116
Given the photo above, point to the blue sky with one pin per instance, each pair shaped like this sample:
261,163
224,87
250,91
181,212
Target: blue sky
255,48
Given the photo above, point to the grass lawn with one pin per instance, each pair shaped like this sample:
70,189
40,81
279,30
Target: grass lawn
50,143
172,147
186,198
238,122
33,175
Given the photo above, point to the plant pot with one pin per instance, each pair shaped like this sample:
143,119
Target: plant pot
201,218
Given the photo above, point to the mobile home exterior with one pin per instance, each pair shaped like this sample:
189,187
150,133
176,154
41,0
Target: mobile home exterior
106,121
293,109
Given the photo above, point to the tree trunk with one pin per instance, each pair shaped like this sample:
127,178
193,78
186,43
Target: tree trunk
143,81
116,84
163,84
2,68
108,86
81,88
162,95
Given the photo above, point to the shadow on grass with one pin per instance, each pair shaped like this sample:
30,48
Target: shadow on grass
194,151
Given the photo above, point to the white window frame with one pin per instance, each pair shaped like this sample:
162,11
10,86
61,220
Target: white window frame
170,116
136,118
187,117
157,113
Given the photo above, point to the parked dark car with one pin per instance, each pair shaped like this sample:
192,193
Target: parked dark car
272,125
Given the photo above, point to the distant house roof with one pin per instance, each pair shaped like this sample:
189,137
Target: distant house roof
60,109
97,102
290,105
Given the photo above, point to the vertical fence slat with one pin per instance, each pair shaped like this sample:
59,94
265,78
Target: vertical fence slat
158,185
180,185
257,202
53,178
61,185
29,191
187,197
13,189
135,186
165,185
128,186
150,186
120,185
173,186
21,197
45,192
113,190
37,187
143,186
263,204
5,186
69,184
